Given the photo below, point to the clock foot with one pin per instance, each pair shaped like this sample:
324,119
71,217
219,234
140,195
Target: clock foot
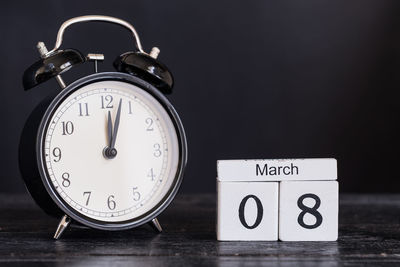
62,225
155,224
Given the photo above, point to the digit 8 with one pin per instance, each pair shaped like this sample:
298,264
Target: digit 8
313,211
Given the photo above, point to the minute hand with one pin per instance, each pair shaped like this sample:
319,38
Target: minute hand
109,129
116,125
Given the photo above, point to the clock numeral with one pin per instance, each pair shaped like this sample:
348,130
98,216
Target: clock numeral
88,193
157,150
130,107
67,128
111,203
106,101
136,194
57,154
66,182
83,109
151,174
149,122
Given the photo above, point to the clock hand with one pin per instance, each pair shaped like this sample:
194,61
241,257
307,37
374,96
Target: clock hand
109,152
109,128
116,125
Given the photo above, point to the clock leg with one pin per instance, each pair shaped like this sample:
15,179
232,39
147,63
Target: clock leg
155,224
62,225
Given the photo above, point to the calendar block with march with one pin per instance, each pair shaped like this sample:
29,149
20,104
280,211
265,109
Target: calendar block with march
247,211
308,210
270,170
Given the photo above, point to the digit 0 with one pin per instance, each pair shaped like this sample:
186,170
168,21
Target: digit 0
260,212
313,211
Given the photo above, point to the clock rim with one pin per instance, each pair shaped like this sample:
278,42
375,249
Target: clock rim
182,143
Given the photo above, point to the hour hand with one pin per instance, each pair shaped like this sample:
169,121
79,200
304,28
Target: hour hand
116,125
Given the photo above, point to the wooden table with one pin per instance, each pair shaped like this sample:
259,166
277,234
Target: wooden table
369,234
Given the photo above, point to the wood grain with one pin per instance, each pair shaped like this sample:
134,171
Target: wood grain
369,234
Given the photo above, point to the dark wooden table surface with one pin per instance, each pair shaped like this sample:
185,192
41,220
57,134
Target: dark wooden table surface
369,234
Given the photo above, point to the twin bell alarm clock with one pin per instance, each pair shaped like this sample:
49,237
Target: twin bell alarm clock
107,151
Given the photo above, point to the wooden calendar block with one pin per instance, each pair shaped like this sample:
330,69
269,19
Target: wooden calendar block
247,211
308,210
277,170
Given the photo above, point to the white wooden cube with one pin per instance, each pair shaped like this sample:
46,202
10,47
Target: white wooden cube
247,211
271,170
308,210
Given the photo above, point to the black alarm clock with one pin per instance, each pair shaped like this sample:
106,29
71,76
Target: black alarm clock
107,151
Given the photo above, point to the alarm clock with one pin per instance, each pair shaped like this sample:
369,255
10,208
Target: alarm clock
107,151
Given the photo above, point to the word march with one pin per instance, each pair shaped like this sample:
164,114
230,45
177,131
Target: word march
276,170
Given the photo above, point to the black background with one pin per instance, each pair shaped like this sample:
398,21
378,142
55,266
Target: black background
254,79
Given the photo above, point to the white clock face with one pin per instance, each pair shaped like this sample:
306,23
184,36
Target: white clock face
137,178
